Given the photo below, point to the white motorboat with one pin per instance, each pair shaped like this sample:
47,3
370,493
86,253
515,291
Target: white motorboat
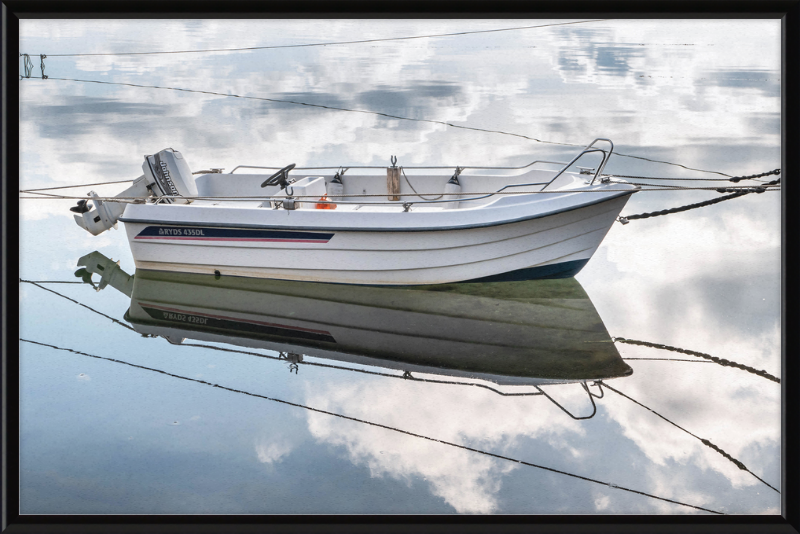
476,224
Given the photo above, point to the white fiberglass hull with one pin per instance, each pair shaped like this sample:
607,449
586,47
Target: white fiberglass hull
507,242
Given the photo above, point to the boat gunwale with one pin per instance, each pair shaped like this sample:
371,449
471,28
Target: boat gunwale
398,229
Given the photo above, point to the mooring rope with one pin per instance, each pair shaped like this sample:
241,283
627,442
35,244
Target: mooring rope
740,190
72,186
753,176
705,442
380,114
668,360
330,43
415,191
737,192
366,372
315,364
379,425
720,361
734,179
51,282
78,303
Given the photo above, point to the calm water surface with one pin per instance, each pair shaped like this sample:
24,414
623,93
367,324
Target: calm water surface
406,401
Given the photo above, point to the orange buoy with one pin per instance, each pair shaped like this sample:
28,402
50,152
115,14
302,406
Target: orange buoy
325,204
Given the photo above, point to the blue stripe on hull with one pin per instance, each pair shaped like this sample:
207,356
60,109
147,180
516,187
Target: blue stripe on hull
565,269
232,234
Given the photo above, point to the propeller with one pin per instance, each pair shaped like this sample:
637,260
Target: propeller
85,276
82,207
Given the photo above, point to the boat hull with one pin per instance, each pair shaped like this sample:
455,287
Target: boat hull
548,246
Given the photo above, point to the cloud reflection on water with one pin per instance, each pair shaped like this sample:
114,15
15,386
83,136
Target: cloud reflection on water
467,481
704,280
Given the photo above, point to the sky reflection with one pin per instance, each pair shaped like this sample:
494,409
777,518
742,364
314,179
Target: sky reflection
705,94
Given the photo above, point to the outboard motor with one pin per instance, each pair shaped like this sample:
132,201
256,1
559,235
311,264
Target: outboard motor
172,174
166,174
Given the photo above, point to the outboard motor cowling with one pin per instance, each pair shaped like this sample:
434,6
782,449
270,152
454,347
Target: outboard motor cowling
166,174
171,174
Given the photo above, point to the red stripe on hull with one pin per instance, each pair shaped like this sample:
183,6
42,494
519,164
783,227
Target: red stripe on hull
235,239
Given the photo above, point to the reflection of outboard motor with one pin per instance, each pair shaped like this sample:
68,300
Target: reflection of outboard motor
166,174
109,271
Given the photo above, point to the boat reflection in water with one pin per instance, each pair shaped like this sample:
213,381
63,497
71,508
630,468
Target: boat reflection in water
531,333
